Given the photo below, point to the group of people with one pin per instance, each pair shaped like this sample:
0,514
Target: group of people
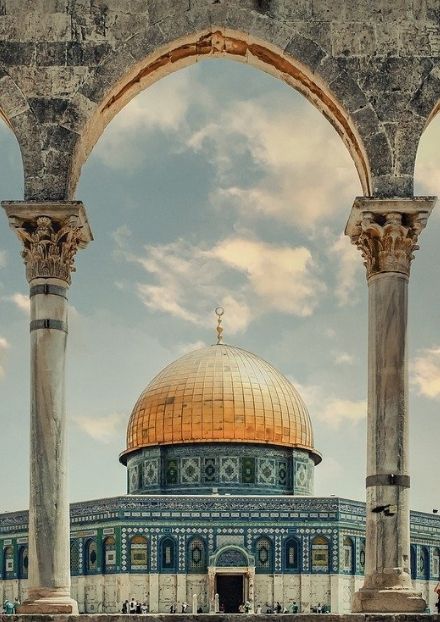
134,606
10,607
183,608
278,608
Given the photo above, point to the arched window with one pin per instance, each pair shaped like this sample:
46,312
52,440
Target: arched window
291,555
90,557
109,554
168,554
74,558
320,554
196,555
263,555
423,563
413,558
435,565
23,562
138,554
8,562
348,556
362,555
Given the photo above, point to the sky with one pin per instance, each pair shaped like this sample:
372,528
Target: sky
218,185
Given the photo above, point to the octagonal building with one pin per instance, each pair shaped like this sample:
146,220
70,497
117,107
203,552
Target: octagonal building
222,420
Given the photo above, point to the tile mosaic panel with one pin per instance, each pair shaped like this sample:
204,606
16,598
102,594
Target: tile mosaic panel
210,471
190,470
229,470
151,472
134,478
266,471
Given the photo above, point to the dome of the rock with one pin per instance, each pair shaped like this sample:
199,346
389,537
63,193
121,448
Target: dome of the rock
212,398
219,394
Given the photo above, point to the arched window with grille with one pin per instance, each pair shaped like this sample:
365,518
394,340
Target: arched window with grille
291,555
168,555
138,554
263,555
23,562
196,555
435,565
8,562
413,561
90,557
74,558
423,563
348,555
109,554
320,554
362,555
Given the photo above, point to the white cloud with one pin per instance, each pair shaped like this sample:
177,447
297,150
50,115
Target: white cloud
296,168
344,358
21,301
349,269
162,107
302,163
121,235
426,372
103,429
189,281
4,345
282,276
329,409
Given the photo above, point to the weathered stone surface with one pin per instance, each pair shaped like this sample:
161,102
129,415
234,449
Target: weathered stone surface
226,617
378,55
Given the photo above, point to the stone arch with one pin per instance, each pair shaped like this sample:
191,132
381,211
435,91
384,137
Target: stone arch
17,115
236,549
423,107
148,56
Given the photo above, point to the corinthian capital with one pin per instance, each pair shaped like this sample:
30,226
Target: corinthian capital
386,231
51,234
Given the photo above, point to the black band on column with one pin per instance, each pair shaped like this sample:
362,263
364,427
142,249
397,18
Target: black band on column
52,324
46,288
388,479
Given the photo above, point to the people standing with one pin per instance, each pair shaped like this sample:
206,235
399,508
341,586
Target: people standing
184,607
125,606
132,605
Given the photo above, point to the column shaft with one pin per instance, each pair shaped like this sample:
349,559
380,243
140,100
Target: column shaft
49,571
387,555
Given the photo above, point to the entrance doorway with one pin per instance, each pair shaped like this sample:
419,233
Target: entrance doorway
230,589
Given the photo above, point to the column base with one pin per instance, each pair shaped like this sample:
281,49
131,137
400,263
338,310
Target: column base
51,602
388,600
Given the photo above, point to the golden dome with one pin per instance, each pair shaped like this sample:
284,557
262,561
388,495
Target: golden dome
220,394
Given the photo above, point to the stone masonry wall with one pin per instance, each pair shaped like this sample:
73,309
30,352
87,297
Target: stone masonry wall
68,66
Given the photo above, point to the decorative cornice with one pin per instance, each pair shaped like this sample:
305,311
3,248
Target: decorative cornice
386,231
51,233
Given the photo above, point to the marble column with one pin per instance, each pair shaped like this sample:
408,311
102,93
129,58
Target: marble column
51,234
386,232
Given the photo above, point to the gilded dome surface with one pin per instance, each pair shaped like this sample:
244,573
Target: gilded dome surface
220,393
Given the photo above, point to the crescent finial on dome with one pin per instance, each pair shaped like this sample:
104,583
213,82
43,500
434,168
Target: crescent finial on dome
219,311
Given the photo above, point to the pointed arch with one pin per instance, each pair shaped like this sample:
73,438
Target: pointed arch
320,554
334,93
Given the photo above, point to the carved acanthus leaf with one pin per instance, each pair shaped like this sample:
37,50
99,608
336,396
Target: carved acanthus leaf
50,246
386,242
